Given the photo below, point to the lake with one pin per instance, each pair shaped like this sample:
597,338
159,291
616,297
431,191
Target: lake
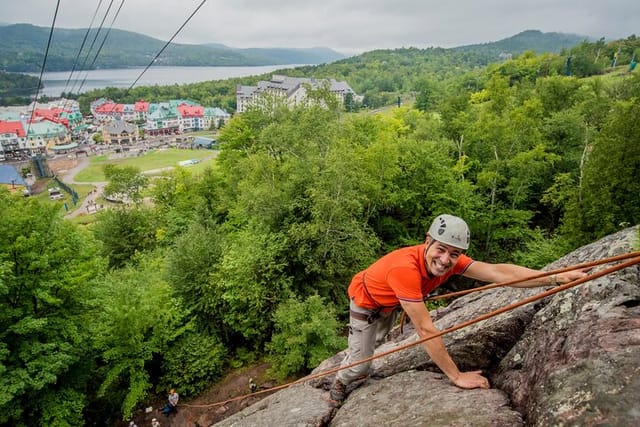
56,82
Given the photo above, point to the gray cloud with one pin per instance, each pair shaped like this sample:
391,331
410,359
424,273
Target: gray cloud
350,26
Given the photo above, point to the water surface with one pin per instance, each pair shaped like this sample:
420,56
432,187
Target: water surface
83,81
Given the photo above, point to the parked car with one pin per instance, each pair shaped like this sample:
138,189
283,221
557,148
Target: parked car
55,193
188,162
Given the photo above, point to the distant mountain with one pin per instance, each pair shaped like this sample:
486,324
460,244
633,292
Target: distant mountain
23,46
314,55
533,40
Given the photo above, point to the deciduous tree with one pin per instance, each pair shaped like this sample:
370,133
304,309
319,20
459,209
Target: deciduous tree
47,273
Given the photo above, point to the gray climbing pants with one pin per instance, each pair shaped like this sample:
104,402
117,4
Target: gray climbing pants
364,337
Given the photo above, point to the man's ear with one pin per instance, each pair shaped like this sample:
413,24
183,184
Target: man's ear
427,240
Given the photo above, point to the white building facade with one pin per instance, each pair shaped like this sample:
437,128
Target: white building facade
291,90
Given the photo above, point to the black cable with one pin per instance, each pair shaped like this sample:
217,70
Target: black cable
101,44
84,40
84,63
44,63
165,46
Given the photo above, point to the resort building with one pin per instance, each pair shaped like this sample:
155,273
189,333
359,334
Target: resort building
164,118
12,138
45,134
291,90
215,117
119,132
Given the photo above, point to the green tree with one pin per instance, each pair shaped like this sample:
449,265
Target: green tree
606,201
125,232
134,327
193,363
306,333
427,94
587,59
125,183
557,93
190,262
251,280
179,201
47,273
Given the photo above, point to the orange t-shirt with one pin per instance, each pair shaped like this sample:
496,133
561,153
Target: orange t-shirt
399,275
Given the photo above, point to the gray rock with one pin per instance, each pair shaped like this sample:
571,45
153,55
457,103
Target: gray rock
578,362
425,399
300,405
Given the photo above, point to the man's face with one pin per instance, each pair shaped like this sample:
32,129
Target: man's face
440,257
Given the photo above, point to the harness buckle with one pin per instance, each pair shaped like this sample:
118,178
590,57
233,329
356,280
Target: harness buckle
374,315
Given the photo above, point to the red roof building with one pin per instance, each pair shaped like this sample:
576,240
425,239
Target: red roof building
13,128
141,107
190,116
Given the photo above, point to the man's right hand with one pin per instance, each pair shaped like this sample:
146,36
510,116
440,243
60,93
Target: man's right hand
471,379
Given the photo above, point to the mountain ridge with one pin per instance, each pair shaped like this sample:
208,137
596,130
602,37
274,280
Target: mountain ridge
23,49
534,40
24,46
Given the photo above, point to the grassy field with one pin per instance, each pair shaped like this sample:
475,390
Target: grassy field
205,133
152,160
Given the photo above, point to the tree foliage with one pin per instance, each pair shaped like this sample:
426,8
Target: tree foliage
124,233
306,333
134,328
603,202
125,183
47,271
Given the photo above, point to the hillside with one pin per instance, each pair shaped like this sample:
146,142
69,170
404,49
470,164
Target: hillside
24,45
533,40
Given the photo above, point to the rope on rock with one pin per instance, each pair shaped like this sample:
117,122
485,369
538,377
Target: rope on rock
633,259
538,276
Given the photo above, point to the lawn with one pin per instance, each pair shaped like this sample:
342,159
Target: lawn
152,160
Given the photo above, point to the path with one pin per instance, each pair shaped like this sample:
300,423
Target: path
234,384
89,204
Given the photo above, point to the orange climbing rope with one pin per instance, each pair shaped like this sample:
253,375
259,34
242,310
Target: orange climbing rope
537,276
633,259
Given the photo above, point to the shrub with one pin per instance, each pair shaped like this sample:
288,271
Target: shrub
192,363
306,334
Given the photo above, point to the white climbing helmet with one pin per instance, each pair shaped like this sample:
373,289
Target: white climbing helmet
450,230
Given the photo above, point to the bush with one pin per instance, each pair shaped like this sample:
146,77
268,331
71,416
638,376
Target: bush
542,250
306,334
192,363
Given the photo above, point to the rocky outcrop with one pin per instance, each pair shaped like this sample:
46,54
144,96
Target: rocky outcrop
578,362
569,359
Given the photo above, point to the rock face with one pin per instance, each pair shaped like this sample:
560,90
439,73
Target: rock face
572,359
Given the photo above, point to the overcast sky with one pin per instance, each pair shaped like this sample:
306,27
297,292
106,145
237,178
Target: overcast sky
348,26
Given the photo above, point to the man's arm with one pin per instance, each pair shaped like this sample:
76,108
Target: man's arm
497,273
435,348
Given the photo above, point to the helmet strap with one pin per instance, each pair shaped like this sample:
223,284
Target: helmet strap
426,248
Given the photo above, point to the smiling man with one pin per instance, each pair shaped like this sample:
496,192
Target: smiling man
403,279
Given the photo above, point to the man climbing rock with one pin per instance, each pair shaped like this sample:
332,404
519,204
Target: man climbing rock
403,279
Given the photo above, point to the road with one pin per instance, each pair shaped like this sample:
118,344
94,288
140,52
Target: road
90,203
